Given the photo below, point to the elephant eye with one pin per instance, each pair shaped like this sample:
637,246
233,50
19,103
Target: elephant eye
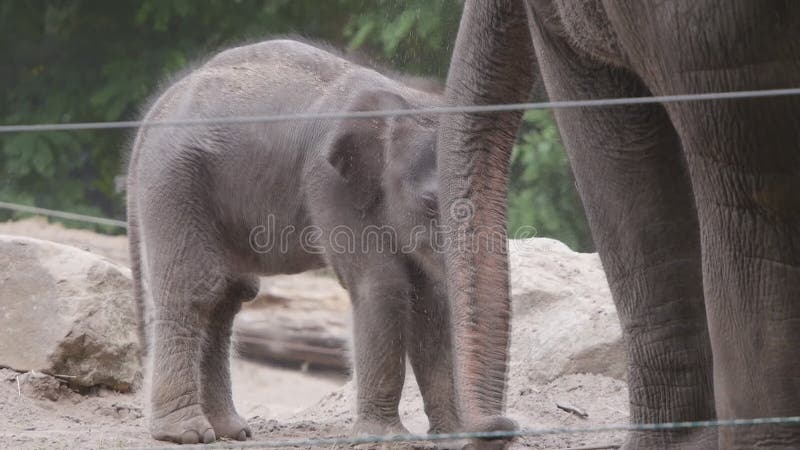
431,204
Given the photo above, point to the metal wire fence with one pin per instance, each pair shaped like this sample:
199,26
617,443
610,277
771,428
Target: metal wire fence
63,215
530,432
469,109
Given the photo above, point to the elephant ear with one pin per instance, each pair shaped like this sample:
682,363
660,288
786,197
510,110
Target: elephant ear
358,147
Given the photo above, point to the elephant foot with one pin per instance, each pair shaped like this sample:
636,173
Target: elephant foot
438,426
397,446
760,436
230,426
184,426
379,427
692,439
488,424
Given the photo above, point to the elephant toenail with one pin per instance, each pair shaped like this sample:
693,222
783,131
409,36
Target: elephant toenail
209,436
190,437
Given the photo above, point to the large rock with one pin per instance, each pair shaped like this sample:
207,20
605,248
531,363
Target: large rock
114,248
66,312
564,317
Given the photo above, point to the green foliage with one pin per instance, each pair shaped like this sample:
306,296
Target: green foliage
414,36
94,60
541,190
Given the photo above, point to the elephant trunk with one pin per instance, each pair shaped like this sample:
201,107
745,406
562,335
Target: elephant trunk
474,154
477,280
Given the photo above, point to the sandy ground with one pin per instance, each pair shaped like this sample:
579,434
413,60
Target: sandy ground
38,412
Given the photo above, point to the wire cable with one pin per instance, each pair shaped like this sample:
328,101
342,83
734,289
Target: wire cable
792,420
63,215
471,109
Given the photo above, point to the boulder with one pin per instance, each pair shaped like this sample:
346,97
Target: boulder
67,313
564,320
114,248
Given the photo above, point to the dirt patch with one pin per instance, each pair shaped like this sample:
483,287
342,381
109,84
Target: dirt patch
284,405
39,412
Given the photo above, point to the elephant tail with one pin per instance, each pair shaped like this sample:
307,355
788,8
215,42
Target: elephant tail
135,250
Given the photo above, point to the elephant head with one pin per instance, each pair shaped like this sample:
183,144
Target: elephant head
389,166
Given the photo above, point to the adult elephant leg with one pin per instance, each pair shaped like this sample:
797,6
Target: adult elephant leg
744,160
635,188
745,164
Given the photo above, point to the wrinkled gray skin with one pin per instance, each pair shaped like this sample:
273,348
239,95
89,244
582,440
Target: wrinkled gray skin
207,205
693,205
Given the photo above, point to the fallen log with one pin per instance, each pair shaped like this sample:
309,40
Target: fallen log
296,320
287,345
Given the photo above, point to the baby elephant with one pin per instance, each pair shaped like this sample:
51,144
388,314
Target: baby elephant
212,206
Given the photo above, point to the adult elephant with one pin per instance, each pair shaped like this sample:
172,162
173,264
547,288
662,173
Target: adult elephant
693,205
